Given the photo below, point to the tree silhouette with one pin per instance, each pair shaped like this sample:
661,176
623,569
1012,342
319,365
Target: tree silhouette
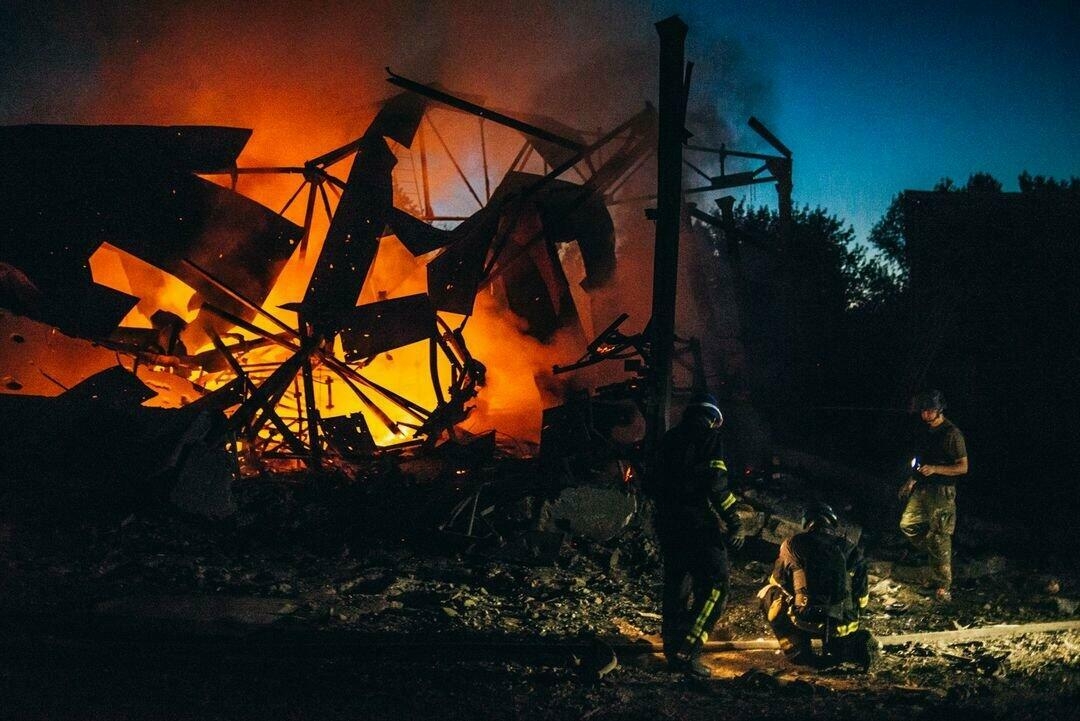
983,183
1042,184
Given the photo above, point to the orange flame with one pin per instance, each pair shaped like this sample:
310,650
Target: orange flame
301,103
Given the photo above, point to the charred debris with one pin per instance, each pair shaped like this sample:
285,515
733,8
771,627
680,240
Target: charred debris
139,188
232,410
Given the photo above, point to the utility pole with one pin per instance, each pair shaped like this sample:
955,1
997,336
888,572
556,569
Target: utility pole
673,83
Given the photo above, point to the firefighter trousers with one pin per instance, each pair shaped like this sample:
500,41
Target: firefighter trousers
700,574
841,641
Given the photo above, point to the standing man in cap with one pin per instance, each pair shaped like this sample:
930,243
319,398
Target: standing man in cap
929,517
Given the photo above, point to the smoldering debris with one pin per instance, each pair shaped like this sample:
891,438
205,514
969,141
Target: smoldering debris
313,568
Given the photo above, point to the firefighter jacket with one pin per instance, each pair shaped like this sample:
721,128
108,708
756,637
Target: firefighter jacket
823,576
690,482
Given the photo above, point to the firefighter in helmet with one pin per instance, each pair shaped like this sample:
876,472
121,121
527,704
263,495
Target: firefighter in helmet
929,518
818,589
690,486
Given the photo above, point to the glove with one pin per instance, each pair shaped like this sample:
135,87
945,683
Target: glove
736,539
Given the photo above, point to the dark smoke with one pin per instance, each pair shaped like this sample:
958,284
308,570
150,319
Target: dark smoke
587,63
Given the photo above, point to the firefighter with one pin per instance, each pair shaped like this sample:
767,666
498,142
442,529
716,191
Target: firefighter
690,488
817,589
929,518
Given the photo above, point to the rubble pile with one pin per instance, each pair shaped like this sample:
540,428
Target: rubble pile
309,556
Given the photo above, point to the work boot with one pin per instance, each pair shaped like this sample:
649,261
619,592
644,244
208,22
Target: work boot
689,665
807,659
864,649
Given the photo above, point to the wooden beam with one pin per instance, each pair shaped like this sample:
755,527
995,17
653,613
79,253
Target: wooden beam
972,634
958,636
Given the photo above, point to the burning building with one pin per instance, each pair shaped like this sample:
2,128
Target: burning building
122,227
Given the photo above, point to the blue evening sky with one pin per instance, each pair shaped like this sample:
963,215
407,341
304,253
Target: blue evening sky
877,97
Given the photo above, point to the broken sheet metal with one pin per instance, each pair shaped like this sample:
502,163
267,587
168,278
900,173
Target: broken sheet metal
116,386
454,277
244,244
98,445
349,435
418,237
399,118
571,212
181,148
329,309
36,359
566,211
353,238
379,327
526,218
71,188
83,310
361,217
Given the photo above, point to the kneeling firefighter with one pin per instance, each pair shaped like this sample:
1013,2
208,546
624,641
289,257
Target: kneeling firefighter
818,589
690,486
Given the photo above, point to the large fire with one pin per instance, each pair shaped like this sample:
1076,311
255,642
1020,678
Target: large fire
452,182
303,99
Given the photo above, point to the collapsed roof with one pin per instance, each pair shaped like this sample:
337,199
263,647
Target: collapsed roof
72,188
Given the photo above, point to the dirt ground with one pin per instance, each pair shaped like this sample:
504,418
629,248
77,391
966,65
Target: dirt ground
290,611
